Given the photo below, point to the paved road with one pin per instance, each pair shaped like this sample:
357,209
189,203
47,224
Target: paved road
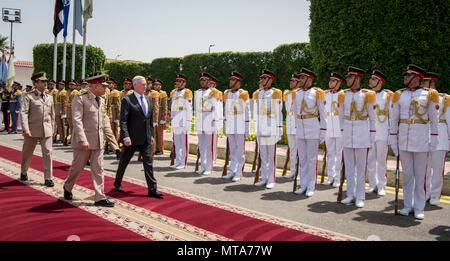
375,221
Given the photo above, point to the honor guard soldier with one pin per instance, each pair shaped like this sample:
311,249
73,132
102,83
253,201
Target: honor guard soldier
357,118
378,154
308,106
87,142
111,144
181,115
29,88
68,106
333,136
14,106
5,107
154,97
59,111
213,84
127,84
237,125
207,122
115,107
159,131
269,126
291,132
436,159
50,87
38,118
413,135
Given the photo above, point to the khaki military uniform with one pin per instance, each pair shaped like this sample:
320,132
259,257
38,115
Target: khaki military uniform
68,106
88,126
114,106
60,114
159,131
110,138
38,117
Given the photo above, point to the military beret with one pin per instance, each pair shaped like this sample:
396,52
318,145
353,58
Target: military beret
205,75
158,80
97,79
355,71
431,76
237,76
40,76
266,72
295,76
412,68
181,76
337,76
379,75
127,80
308,73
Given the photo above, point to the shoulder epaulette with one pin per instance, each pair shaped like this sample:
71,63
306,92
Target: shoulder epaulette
18,93
171,94
45,90
255,95
107,91
446,101
341,97
73,93
244,95
187,93
277,94
433,96
130,92
115,94
396,95
285,95
319,93
370,96
54,92
63,93
163,94
154,94
83,91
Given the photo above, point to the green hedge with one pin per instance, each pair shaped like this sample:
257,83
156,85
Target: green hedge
386,36
43,60
120,70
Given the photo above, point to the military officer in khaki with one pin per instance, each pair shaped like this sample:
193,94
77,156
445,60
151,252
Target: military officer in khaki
68,107
88,126
163,110
38,117
114,105
60,100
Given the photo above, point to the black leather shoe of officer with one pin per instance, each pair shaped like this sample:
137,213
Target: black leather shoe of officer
118,187
67,195
104,203
159,153
23,177
155,194
118,154
88,163
49,183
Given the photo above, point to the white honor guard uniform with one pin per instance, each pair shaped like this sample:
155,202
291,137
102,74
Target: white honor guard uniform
181,115
289,97
357,117
237,128
378,154
207,109
269,129
333,135
414,133
308,105
436,159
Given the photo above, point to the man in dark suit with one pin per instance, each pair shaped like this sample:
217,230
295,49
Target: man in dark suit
136,126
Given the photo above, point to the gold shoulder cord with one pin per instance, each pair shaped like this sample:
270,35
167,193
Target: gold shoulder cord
384,112
309,111
358,113
416,106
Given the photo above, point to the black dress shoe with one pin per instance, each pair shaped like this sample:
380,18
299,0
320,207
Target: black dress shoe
155,194
159,153
88,163
118,187
49,183
104,203
23,177
118,154
67,195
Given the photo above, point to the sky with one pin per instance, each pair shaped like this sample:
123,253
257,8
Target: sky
143,30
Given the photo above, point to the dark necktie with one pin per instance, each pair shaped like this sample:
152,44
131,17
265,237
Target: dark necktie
144,108
98,100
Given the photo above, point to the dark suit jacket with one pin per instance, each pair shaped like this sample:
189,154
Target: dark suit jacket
133,123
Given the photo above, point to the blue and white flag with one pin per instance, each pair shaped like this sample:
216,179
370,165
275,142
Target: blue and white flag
66,4
3,69
78,17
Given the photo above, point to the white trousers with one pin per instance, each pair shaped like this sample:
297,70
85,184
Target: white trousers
414,166
355,170
237,154
307,153
334,158
376,165
206,145
181,148
292,140
435,173
268,162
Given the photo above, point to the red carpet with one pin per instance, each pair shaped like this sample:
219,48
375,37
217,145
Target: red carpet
226,223
27,214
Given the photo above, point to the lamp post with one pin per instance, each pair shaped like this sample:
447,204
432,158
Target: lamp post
211,45
11,15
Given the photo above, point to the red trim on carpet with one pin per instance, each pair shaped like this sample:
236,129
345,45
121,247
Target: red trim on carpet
28,214
226,223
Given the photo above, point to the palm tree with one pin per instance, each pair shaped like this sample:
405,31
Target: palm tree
4,43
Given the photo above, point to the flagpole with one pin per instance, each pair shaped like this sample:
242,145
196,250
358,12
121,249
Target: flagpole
64,60
55,58
83,65
74,34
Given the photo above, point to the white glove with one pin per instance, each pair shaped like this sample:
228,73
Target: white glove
117,121
162,122
8,111
17,111
63,116
155,124
394,148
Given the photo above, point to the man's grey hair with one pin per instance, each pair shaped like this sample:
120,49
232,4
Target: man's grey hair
137,78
